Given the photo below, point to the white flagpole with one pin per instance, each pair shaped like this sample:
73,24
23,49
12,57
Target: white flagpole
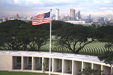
50,43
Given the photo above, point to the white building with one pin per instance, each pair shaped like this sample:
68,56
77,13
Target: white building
76,22
62,63
57,14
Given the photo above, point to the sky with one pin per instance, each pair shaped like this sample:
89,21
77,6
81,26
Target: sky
32,7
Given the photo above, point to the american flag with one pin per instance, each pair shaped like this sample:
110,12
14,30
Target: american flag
41,19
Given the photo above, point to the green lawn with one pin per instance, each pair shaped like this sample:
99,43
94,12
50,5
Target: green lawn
95,48
19,73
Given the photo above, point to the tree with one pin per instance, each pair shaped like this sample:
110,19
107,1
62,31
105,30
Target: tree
88,71
19,35
38,39
106,35
108,45
107,57
70,36
9,34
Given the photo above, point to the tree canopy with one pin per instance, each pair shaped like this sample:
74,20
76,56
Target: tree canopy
88,71
70,36
19,35
106,35
107,57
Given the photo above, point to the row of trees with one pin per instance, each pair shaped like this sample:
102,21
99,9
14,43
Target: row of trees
19,35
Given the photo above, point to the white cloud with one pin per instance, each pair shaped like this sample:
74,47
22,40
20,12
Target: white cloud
102,1
27,2
16,1
97,1
85,6
98,13
107,1
104,8
111,8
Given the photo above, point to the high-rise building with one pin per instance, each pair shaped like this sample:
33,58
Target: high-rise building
72,14
17,16
89,19
89,16
1,20
4,19
9,18
79,15
57,14
62,16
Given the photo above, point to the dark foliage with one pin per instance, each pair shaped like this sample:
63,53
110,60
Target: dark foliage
70,35
19,35
88,71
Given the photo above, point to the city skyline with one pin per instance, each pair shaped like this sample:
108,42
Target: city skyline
33,7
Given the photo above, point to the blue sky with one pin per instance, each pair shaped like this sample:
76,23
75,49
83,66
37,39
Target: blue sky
32,7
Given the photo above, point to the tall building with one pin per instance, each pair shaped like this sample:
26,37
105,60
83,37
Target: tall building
17,16
62,16
57,14
1,20
89,16
79,15
89,19
72,14
4,19
9,18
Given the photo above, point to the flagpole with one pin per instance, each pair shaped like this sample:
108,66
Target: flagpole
50,43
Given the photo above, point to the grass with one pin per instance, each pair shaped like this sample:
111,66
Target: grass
95,48
20,73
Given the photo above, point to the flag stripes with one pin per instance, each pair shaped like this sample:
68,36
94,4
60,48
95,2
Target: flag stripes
41,19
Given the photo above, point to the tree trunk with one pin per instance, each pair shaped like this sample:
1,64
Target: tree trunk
39,48
76,52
